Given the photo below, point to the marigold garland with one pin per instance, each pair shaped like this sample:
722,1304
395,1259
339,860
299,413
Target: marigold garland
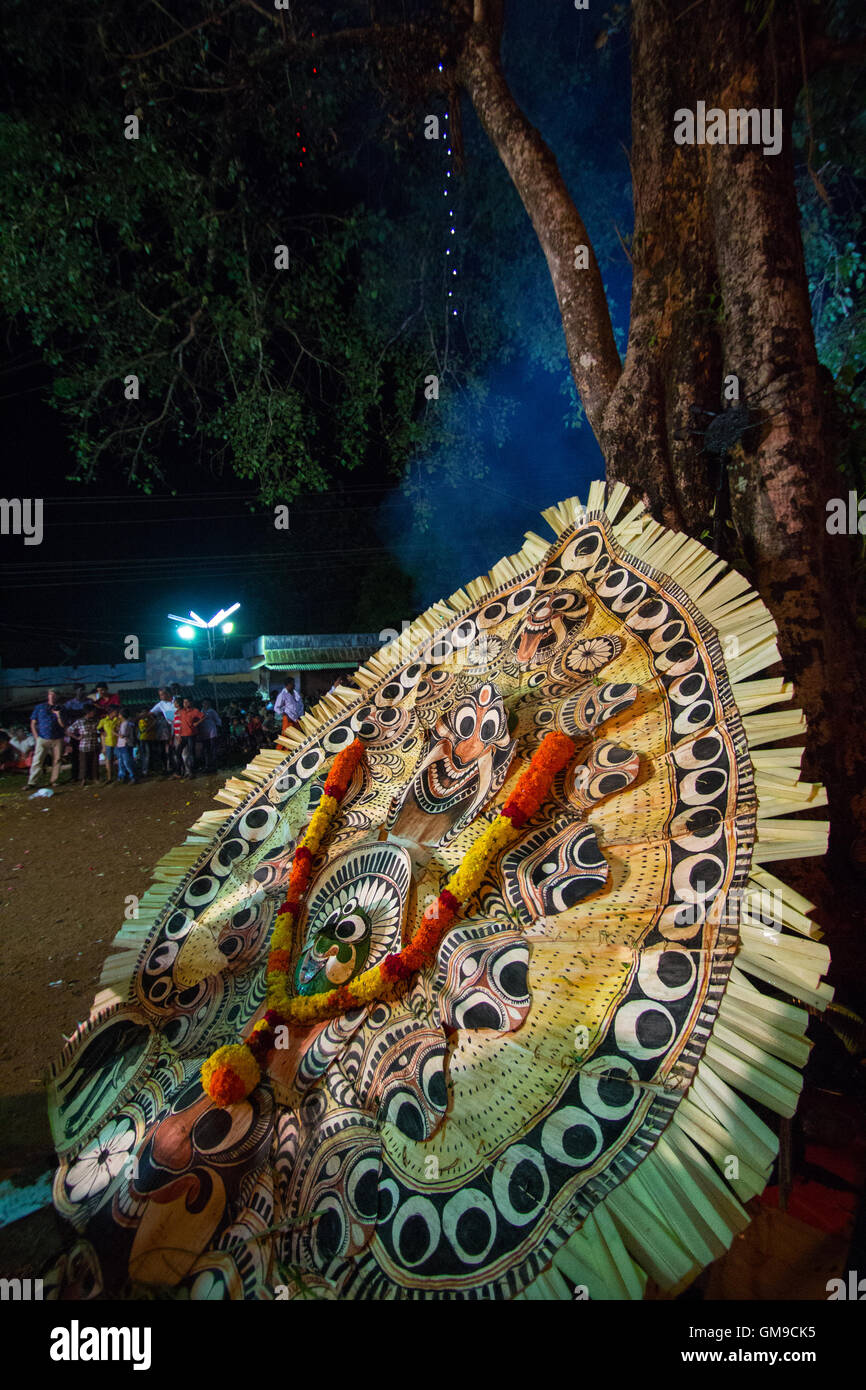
234,1071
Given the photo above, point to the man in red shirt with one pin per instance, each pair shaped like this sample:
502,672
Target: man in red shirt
188,719
103,701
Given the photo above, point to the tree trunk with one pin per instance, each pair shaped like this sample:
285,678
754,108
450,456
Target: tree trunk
719,288
556,221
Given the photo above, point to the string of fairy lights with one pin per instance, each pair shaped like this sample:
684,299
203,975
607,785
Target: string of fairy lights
446,193
452,230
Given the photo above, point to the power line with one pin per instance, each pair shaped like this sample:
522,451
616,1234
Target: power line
115,499
257,572
229,516
170,563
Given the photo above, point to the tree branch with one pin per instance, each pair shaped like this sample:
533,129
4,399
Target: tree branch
169,43
532,167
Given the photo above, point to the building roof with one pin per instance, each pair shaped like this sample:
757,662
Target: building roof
331,651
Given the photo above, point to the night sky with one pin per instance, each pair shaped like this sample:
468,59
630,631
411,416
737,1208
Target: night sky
114,562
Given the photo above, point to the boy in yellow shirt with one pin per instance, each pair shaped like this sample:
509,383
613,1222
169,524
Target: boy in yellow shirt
108,727
148,745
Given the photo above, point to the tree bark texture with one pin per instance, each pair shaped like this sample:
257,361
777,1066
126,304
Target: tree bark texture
719,288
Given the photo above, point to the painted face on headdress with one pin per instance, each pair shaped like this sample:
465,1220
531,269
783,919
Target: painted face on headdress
355,913
551,870
465,766
548,624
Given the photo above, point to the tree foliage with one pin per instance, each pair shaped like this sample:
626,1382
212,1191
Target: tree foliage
155,257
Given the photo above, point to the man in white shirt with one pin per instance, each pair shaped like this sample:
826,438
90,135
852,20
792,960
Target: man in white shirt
165,707
289,705
22,741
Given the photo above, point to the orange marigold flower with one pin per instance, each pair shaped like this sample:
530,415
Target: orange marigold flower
344,766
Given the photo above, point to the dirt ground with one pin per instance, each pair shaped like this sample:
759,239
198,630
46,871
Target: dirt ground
67,863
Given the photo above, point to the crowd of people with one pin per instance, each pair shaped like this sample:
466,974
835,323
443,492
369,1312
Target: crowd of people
109,741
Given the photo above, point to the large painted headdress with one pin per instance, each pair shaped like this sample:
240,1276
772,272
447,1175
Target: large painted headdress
553,1101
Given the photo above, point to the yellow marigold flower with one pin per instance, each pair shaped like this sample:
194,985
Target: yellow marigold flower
319,823
302,1009
283,936
277,994
367,986
464,881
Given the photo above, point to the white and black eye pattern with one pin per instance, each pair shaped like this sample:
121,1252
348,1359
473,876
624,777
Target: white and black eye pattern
390,694
508,971
614,583
686,689
535,679
674,652
694,710
411,1086
257,824
629,597
581,714
308,763
463,721
412,675
701,752
698,877
226,855
694,718
485,979
433,686
440,650
201,891
335,740
380,726
520,600
650,615
346,923
393,723
551,576
698,828
364,723
492,614
643,1029
504,606
702,786
666,974
464,634
177,926
583,551
283,787
492,724
550,870
609,768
